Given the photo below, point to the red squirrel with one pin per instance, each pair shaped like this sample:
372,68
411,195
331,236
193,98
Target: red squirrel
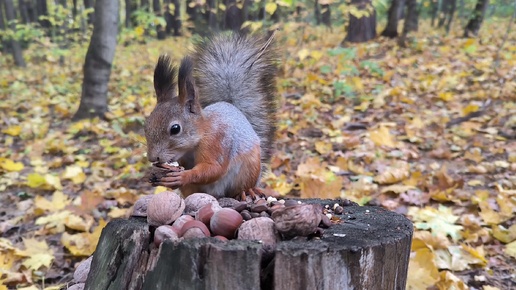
220,125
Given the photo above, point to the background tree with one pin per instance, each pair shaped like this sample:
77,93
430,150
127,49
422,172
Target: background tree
15,46
476,21
362,21
393,16
97,66
411,21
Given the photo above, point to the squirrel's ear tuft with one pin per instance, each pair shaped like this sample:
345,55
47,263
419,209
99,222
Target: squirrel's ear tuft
164,79
186,84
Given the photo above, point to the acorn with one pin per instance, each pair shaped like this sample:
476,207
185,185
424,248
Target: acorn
205,213
163,233
178,224
260,228
225,222
194,229
164,208
195,201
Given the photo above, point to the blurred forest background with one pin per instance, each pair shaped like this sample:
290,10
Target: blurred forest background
405,104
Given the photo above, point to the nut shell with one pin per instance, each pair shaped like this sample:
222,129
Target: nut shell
164,208
180,222
195,201
140,206
261,228
297,220
194,229
225,222
205,213
163,233
81,272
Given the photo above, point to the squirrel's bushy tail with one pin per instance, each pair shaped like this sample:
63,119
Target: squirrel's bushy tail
240,69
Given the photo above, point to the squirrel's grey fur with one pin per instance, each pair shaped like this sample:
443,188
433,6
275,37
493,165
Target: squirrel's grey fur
240,69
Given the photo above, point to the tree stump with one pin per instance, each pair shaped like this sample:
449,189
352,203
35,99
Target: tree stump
369,249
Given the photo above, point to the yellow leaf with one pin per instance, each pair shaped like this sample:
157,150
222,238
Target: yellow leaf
118,212
54,222
510,249
303,53
446,96
13,130
9,165
74,173
271,7
323,147
38,253
82,244
315,54
139,31
59,202
77,223
422,271
359,85
160,189
503,234
382,137
469,109
36,180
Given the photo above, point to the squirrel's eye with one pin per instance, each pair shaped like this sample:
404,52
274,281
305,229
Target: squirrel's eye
175,129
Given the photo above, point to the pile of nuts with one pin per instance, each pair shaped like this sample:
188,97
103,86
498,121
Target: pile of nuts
201,215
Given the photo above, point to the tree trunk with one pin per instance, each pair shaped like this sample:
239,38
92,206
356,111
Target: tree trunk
369,249
476,21
326,14
130,7
177,18
245,10
453,6
391,30
97,66
411,21
317,12
445,11
4,43
42,8
24,11
364,28
160,30
233,17
144,4
435,10
15,45
212,14
74,8
156,6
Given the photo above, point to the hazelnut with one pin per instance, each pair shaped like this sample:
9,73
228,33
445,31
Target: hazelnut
205,213
194,229
163,233
81,272
164,208
297,220
195,201
224,239
260,228
140,206
178,224
225,222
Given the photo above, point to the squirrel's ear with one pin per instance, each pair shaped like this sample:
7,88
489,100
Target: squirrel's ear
186,84
164,79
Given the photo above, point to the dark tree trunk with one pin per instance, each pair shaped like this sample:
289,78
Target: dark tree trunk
476,21
91,16
453,6
212,14
364,28
24,11
62,3
97,66
42,8
74,8
245,10
445,11
156,6
33,13
160,30
317,12
411,21
15,45
130,7
326,14
233,17
391,30
435,10
169,18
177,18
5,44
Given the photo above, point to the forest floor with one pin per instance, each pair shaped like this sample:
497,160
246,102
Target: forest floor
427,131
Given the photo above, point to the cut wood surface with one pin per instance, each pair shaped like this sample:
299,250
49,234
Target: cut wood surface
369,249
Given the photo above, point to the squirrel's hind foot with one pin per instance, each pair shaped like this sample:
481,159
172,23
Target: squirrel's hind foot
253,193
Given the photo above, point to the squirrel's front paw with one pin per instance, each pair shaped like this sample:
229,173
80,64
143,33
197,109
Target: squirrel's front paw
172,179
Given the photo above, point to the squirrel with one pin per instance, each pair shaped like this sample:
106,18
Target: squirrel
220,126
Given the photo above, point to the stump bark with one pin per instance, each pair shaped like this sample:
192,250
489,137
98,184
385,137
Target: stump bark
369,249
